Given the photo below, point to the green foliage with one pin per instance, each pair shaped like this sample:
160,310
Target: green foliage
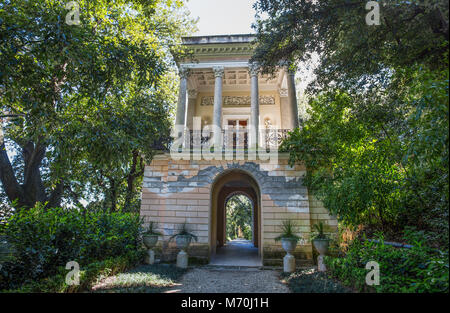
288,231
419,269
375,139
92,101
89,275
381,166
184,231
45,239
239,217
319,232
145,278
352,53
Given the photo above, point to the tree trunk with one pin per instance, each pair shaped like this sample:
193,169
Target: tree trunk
32,190
113,193
13,189
132,176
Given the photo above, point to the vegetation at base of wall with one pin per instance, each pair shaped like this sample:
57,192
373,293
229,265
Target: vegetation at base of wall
89,275
45,239
312,281
239,217
418,269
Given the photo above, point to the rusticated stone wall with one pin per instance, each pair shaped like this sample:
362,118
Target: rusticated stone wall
177,192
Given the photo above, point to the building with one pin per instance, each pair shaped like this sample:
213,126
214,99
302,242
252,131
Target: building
186,186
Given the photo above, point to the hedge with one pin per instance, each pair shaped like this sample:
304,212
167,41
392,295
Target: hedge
88,276
419,269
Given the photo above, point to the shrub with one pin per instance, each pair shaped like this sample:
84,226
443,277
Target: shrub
91,274
419,269
288,229
46,239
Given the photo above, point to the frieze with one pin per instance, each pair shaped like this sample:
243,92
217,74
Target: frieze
238,100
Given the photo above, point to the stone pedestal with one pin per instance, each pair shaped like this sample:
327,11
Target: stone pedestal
289,263
150,258
320,264
182,259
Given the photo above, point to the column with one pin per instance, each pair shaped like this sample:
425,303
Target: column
254,109
217,113
285,109
181,108
292,95
192,99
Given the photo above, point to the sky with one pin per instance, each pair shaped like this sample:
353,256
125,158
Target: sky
222,17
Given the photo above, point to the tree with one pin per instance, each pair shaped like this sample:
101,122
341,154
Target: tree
239,217
376,141
351,52
93,98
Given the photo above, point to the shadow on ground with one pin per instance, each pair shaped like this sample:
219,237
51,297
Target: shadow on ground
312,281
142,279
237,252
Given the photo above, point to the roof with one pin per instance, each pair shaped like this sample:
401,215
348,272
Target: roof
218,39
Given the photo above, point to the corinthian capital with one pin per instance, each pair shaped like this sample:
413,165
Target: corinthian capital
192,93
283,92
290,67
253,69
184,72
218,71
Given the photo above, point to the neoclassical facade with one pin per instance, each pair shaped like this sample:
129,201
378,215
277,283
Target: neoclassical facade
250,113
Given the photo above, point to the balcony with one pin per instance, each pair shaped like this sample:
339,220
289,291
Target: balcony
238,139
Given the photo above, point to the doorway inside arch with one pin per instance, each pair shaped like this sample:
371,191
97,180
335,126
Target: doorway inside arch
235,221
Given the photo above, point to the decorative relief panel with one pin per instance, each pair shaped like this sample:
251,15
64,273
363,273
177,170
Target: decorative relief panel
239,100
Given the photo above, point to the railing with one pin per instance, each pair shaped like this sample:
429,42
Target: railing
239,138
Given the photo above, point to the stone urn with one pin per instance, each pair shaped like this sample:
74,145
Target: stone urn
321,245
289,245
183,242
150,241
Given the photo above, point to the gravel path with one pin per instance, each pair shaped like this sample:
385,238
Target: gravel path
229,280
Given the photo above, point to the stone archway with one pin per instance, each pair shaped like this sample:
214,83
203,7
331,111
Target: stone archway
227,184
224,195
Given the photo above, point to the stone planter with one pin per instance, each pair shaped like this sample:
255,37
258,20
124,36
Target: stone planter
149,242
183,243
321,246
288,245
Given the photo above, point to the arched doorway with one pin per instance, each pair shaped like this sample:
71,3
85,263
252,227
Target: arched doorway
228,184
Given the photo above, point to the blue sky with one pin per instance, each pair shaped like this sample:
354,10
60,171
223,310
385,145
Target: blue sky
222,17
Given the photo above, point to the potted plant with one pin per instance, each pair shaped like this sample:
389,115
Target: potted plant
288,241
150,235
288,237
183,237
319,239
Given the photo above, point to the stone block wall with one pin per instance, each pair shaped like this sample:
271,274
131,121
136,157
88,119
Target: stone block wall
179,191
